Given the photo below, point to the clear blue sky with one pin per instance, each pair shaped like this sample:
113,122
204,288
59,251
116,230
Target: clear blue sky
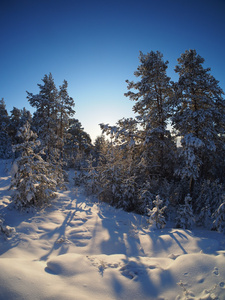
95,45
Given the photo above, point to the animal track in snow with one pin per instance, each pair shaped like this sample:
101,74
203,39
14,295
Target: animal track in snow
216,271
131,270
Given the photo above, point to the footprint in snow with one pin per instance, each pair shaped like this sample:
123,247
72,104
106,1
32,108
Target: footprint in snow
131,270
216,271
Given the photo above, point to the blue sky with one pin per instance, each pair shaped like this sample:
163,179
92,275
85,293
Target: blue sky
95,45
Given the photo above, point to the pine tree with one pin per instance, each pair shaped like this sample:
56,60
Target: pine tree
109,179
14,124
199,119
77,144
5,140
32,181
208,200
4,115
45,119
153,112
99,145
185,217
145,141
157,214
89,177
25,117
66,111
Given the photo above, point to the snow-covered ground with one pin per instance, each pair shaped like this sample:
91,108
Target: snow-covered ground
79,249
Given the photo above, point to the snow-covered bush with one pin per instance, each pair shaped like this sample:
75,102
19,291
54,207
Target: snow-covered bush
145,199
5,229
219,217
156,215
128,193
209,195
208,198
56,170
88,177
185,217
32,180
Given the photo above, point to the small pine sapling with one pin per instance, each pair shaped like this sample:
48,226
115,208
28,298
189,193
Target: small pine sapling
185,217
144,199
156,215
90,177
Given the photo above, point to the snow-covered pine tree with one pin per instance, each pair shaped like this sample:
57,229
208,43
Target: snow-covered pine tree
199,118
157,214
14,124
127,144
146,140
208,200
45,118
145,198
119,160
153,111
4,121
128,183
25,117
66,111
99,144
31,182
185,217
5,140
77,145
89,177
109,175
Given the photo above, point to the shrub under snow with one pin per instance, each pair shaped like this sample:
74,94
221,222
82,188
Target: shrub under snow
185,217
156,215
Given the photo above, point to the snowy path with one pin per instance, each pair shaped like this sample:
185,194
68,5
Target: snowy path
80,249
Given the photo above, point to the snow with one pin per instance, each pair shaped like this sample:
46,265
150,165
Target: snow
78,248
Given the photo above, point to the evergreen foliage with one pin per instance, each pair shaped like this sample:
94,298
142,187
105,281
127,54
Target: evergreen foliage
185,216
5,140
153,111
66,111
219,217
45,121
14,124
199,118
157,214
77,144
32,181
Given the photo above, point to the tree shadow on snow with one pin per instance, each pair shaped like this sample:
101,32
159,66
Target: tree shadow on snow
77,213
123,237
59,236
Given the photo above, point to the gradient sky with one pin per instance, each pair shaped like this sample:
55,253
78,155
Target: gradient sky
95,45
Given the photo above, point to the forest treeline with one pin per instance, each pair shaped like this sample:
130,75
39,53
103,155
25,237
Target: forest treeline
168,162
